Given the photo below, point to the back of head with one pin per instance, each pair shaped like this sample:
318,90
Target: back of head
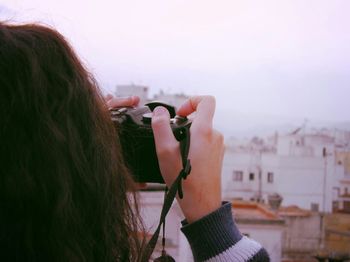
62,181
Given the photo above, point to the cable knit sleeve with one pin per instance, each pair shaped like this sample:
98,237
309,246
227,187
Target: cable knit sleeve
216,238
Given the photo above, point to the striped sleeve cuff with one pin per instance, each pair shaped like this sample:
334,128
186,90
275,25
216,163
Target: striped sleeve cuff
216,237
244,250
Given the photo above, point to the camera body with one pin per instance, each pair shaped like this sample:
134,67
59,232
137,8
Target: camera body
137,140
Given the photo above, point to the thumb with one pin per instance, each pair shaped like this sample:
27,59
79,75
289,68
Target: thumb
167,147
163,134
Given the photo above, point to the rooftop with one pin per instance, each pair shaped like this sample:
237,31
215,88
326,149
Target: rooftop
247,212
293,211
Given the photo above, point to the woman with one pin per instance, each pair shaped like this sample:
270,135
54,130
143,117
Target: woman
63,183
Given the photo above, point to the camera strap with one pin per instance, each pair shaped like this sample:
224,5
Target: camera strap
170,195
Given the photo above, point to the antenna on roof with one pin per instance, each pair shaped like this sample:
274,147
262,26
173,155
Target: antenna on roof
301,128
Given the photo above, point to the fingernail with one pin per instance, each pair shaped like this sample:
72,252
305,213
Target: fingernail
159,110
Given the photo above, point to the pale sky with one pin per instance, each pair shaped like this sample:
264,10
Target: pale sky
285,58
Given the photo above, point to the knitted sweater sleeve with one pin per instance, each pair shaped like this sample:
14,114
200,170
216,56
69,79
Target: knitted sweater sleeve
216,238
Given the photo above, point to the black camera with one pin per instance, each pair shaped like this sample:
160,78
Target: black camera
137,140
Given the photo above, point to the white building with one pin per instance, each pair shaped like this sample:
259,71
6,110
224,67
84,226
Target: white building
143,92
176,243
341,188
261,224
300,167
172,99
133,90
302,236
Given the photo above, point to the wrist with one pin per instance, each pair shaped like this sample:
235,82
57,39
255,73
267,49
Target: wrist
195,208
200,197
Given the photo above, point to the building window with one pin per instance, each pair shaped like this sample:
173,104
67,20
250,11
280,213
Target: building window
314,207
335,206
269,177
251,176
346,191
237,175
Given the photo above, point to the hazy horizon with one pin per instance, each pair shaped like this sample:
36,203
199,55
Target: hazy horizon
271,58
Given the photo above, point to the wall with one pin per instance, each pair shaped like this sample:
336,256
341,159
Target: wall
270,237
133,90
301,236
299,179
151,205
338,232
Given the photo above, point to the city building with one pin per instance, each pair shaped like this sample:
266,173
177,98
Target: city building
133,90
303,234
151,203
172,99
260,223
337,234
341,189
143,92
300,166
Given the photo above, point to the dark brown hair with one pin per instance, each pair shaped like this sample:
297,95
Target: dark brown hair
63,184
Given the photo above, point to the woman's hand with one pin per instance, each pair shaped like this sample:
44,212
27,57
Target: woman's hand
129,101
113,102
202,188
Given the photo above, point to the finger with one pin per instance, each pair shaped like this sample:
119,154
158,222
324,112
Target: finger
140,186
204,106
123,101
108,97
163,135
